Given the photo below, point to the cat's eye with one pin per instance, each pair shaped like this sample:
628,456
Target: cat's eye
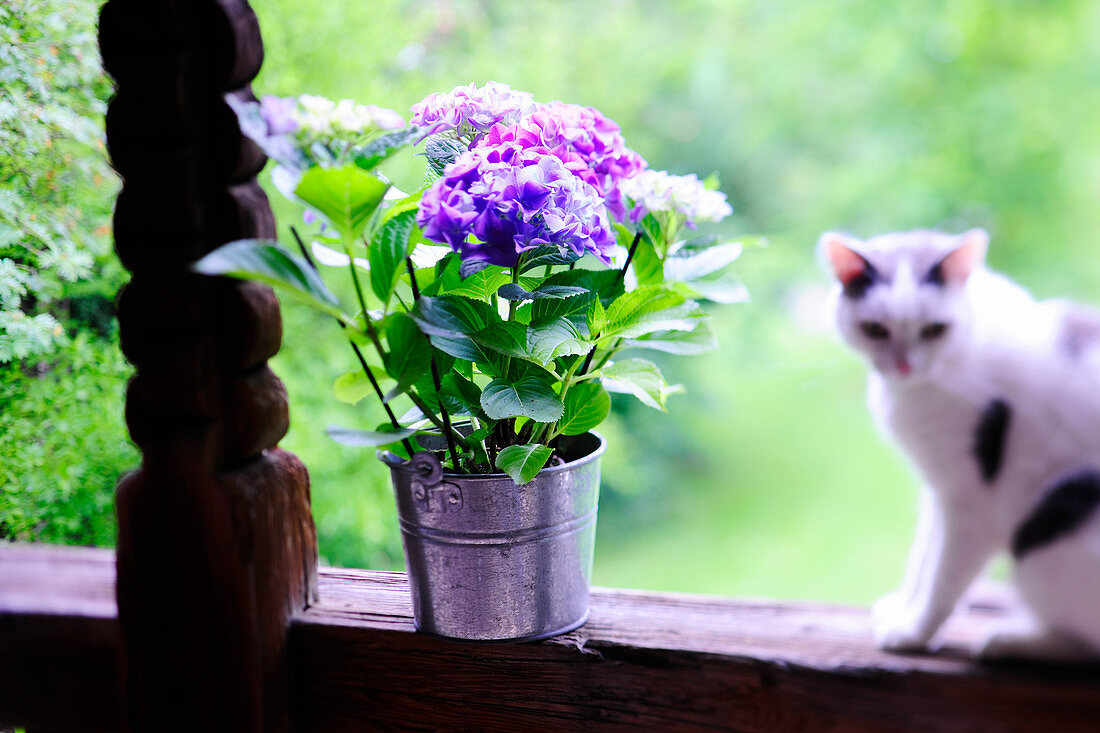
933,331
874,330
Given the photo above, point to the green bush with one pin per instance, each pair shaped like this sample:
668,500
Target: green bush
853,115
62,378
62,446
56,189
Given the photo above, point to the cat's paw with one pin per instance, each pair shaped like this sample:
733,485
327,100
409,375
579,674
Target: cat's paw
901,635
896,627
887,607
1035,645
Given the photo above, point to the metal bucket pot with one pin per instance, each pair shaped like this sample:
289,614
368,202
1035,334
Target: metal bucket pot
492,561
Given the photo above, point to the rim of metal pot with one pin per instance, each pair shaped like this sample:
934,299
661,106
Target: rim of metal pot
395,461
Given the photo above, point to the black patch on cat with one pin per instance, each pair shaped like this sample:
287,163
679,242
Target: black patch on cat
857,287
1068,506
989,438
935,276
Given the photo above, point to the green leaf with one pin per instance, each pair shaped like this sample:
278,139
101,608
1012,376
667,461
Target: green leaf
651,231
648,269
603,284
643,310
465,348
446,275
366,438
448,315
523,462
529,396
346,196
351,387
640,378
549,340
440,151
685,265
586,405
387,252
459,392
506,338
481,285
267,262
381,148
683,343
556,338
409,203
552,309
595,318
512,291
408,355
548,255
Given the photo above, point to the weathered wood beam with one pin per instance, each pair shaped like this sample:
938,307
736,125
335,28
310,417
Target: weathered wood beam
645,661
216,544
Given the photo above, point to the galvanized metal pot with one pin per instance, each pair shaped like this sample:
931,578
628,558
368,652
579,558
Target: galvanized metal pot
492,561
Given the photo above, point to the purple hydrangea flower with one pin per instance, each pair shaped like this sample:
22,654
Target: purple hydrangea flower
510,194
583,136
470,110
278,113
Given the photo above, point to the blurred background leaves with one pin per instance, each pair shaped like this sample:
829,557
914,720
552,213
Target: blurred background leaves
767,477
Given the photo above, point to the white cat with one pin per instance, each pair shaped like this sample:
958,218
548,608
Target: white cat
996,399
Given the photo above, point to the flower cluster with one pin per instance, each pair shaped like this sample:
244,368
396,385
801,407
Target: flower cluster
659,192
470,111
510,135
508,195
297,131
326,118
589,144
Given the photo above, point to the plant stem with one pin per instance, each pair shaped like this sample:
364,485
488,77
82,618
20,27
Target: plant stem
476,424
511,317
609,354
430,416
549,432
436,382
630,255
618,280
359,354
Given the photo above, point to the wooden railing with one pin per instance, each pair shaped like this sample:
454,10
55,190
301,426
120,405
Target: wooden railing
651,661
217,618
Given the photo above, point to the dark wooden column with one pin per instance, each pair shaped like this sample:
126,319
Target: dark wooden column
216,546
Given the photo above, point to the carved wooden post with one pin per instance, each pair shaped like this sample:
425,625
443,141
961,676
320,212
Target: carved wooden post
216,546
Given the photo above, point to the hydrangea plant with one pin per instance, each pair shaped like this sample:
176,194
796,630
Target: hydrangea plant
496,301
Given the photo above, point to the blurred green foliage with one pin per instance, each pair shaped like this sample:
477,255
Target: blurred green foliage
55,185
62,440
767,477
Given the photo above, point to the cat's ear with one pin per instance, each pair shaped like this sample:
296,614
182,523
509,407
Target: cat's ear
967,257
847,265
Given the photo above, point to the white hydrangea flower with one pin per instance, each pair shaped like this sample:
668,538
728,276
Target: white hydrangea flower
660,191
325,117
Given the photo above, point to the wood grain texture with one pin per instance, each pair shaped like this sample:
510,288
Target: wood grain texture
662,661
59,663
216,545
645,660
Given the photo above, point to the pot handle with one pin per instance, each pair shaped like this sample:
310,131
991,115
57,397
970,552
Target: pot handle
430,492
428,470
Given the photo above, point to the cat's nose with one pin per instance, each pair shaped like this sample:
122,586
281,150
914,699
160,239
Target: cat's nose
904,367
